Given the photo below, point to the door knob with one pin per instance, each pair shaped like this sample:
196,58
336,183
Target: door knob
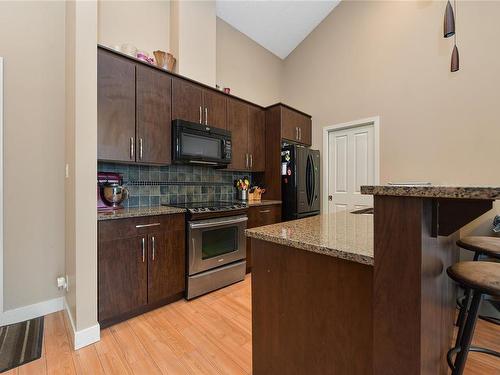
330,197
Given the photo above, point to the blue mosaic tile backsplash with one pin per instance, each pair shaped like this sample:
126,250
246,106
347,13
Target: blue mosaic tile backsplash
152,186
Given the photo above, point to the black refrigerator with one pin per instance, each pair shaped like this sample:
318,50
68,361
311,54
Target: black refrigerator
300,190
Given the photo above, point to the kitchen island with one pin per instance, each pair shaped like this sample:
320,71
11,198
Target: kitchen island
359,294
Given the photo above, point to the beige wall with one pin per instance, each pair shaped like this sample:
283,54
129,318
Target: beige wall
32,43
251,71
390,59
144,24
81,151
193,39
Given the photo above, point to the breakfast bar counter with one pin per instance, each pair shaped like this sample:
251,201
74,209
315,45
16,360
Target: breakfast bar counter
360,294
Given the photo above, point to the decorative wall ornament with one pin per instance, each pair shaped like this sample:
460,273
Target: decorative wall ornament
449,30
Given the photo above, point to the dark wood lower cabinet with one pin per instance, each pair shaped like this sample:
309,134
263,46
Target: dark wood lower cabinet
167,263
141,265
259,216
122,277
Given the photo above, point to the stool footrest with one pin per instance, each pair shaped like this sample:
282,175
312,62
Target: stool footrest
476,349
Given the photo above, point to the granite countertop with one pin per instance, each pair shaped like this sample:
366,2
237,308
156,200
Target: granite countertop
263,202
341,235
434,191
138,211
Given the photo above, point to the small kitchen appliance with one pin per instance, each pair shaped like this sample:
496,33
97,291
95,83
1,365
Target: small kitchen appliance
200,144
110,192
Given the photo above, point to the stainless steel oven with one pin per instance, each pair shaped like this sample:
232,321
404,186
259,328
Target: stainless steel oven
216,253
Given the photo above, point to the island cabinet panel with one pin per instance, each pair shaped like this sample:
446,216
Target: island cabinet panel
115,108
311,313
259,216
141,265
256,139
154,123
237,121
214,109
187,101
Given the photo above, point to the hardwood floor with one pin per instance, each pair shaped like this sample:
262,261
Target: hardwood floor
210,335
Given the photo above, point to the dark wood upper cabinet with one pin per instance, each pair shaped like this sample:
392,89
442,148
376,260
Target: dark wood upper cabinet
306,131
187,101
256,139
214,109
154,95
115,108
295,126
237,124
122,275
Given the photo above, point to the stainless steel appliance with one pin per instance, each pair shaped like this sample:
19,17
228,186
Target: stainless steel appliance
200,144
300,190
215,245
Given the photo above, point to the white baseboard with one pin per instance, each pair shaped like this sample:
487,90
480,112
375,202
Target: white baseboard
85,336
31,311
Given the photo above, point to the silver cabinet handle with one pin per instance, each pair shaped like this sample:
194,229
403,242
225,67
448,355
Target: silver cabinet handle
300,134
246,160
297,133
143,249
264,211
251,160
140,148
132,148
147,225
200,115
206,116
153,246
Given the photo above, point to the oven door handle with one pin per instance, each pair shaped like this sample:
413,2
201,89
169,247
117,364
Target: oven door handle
217,223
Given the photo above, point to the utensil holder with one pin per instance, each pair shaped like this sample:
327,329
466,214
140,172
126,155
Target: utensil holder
242,195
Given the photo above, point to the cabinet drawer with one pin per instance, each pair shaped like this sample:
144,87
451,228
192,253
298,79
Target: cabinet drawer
264,215
139,226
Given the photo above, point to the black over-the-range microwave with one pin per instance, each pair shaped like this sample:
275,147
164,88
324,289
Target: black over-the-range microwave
200,144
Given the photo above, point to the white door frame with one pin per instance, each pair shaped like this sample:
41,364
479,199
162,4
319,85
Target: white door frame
375,121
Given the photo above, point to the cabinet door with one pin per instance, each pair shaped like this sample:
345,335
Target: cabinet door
259,216
214,109
305,130
122,275
290,123
256,139
187,101
167,266
154,95
115,108
237,121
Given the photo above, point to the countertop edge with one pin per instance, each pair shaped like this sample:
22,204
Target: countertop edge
302,245
448,192
104,216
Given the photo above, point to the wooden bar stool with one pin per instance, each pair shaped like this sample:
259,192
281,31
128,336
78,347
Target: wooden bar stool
481,278
484,247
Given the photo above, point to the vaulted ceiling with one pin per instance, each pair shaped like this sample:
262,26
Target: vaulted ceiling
278,26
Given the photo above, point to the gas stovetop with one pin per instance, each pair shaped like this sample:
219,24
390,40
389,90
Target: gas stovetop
210,206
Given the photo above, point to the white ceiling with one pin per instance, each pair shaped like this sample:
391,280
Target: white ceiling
278,26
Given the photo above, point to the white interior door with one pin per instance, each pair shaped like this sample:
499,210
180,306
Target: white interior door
351,163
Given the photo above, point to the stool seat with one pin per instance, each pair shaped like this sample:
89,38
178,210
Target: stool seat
481,276
485,245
